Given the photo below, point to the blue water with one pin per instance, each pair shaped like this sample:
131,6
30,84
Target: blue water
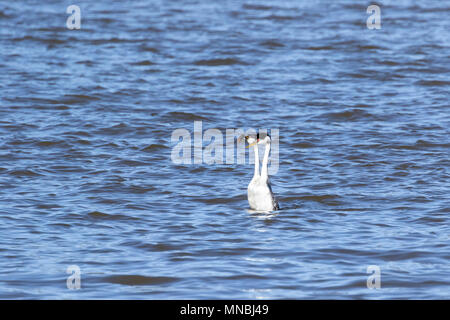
87,178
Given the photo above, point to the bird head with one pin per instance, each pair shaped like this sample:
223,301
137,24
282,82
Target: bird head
262,138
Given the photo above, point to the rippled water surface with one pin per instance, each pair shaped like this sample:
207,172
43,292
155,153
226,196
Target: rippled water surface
86,176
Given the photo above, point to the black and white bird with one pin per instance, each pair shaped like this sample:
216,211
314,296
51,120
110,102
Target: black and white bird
260,195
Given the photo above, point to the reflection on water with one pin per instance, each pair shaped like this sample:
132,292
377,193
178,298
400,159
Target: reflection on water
266,215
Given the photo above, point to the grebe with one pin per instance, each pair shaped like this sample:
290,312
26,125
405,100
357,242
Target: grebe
260,195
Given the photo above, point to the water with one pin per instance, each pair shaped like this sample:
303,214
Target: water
87,178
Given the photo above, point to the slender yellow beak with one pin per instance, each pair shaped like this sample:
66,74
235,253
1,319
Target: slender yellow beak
251,145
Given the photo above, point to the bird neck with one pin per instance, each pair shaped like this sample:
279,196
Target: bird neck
256,161
265,161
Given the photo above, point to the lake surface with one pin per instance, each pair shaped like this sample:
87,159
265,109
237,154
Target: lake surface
87,178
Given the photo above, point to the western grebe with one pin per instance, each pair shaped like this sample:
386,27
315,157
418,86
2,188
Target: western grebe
260,195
